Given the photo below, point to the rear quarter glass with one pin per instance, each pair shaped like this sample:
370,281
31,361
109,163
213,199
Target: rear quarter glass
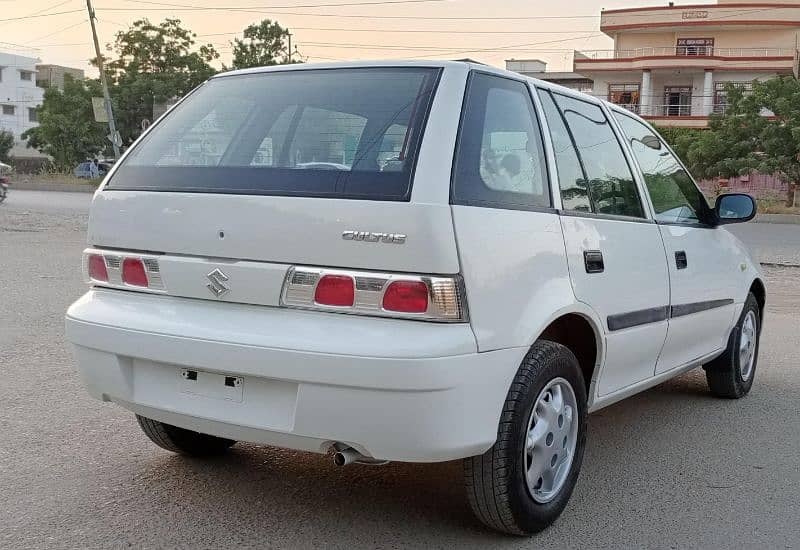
339,133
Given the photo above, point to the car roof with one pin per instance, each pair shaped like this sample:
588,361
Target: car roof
391,63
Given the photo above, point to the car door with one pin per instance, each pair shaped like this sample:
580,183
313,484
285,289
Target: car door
509,235
702,262
615,253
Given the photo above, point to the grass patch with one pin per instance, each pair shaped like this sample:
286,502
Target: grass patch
55,178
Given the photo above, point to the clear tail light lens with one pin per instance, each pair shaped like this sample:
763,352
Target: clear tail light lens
421,297
96,265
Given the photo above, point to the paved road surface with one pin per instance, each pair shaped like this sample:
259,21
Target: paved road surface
670,468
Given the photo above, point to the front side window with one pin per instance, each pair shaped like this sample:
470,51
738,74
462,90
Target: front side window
25,75
594,175
345,133
500,159
8,109
675,197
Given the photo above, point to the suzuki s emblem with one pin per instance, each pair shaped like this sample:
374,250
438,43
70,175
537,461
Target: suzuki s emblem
217,283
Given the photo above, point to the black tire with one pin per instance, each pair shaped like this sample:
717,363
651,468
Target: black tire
724,374
182,441
495,481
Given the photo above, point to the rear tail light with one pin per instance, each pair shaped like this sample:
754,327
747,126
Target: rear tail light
335,290
96,265
123,270
133,272
406,297
427,298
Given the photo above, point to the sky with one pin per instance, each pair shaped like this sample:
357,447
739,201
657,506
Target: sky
58,32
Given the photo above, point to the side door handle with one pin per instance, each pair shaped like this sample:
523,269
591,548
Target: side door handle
680,259
593,260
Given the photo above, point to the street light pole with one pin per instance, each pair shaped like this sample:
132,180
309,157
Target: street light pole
104,83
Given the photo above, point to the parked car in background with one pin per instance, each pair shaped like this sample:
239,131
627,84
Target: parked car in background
86,170
419,261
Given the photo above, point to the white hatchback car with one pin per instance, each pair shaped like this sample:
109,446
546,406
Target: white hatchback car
414,261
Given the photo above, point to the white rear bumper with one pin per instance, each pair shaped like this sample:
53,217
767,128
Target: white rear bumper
394,390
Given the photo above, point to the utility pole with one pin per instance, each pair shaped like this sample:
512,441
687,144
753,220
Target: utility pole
106,96
289,34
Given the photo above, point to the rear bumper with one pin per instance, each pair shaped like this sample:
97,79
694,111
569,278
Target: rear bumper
394,390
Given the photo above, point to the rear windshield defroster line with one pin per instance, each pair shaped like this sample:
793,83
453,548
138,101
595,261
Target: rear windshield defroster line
340,133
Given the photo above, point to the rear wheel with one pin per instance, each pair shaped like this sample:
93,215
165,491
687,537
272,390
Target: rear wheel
731,374
182,441
522,484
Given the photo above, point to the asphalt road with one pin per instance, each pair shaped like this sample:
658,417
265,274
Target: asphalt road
670,468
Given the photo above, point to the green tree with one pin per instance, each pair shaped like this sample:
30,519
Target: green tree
153,64
263,44
6,144
680,139
67,131
745,140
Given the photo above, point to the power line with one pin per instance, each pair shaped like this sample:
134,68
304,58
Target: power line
39,16
79,23
255,9
415,31
172,7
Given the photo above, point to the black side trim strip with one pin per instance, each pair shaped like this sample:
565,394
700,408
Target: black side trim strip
630,319
636,318
696,307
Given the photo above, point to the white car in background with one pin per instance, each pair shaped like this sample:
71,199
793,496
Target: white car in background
532,255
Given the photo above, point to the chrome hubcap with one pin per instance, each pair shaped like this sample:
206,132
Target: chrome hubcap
747,345
551,440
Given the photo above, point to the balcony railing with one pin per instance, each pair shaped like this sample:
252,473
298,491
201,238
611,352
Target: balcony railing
659,110
670,110
684,51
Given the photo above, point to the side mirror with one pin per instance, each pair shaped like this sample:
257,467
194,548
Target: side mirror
735,208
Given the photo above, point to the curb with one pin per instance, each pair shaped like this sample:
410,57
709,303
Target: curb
778,218
63,187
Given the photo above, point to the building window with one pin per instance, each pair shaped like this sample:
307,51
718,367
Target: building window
695,46
8,109
33,114
26,75
625,95
721,94
677,101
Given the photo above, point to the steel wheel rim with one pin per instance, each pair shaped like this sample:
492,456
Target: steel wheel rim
747,345
550,440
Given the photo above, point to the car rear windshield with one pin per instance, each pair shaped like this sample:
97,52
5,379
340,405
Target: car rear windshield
343,133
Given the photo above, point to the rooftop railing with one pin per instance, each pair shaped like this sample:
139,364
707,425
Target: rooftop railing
684,51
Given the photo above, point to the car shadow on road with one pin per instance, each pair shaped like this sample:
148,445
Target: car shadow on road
267,494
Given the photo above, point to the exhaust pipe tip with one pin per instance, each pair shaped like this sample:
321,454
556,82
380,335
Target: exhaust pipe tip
346,456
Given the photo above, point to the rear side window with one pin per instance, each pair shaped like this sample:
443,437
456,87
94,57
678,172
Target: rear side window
499,160
594,175
344,133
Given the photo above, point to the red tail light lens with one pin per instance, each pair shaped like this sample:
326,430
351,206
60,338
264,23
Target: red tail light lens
97,268
406,297
133,272
335,290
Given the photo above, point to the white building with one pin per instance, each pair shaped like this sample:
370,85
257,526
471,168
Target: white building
19,97
672,64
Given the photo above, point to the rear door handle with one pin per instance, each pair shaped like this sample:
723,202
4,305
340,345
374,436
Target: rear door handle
593,260
680,259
